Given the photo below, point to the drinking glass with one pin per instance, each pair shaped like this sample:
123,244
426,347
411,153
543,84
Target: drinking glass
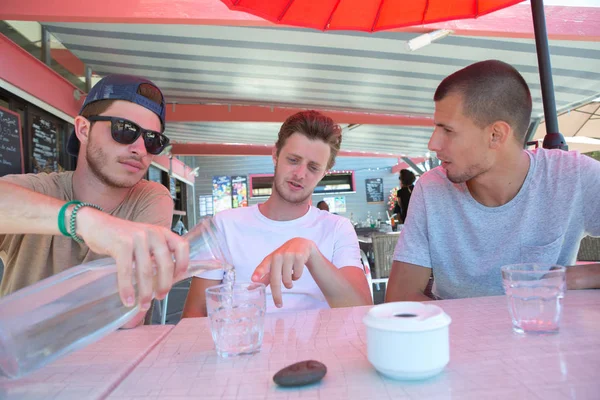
534,292
237,316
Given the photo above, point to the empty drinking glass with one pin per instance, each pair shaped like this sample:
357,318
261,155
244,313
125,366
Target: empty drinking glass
534,292
237,316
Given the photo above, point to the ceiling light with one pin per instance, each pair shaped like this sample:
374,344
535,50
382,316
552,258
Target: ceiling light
426,38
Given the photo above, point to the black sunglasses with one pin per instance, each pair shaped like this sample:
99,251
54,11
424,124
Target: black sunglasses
126,132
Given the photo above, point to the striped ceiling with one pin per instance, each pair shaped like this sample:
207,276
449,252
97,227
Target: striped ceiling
371,73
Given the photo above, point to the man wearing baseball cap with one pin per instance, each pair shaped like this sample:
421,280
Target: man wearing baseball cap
51,222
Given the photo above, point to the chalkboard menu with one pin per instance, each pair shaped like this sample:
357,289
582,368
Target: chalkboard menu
44,148
11,146
374,190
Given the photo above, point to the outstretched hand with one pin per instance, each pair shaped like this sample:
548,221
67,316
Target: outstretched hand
286,265
158,253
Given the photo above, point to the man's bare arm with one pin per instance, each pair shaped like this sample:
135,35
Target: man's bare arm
28,212
343,287
24,211
583,276
407,282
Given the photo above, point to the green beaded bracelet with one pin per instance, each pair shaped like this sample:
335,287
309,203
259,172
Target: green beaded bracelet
72,226
62,227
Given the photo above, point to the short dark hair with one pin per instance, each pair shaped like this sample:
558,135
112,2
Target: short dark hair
313,125
407,177
491,91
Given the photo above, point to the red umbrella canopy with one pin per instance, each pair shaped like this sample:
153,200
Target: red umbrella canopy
365,15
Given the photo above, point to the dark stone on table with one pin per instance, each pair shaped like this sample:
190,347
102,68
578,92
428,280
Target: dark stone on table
301,373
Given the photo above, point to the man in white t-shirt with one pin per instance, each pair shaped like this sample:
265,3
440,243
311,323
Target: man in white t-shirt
285,241
491,203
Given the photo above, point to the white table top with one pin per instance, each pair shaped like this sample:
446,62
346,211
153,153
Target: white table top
487,359
90,373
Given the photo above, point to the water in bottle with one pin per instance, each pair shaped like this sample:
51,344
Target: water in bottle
65,312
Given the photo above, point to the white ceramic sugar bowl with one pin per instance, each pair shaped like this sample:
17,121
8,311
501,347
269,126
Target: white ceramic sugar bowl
408,340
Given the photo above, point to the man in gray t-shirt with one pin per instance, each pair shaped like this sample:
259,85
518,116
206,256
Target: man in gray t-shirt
492,203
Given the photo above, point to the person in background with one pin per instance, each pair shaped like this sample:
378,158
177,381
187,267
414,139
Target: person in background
285,241
51,222
491,202
407,180
322,205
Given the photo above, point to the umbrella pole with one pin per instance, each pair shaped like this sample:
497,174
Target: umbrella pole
553,139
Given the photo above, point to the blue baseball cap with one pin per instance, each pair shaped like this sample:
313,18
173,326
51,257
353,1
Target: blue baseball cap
119,87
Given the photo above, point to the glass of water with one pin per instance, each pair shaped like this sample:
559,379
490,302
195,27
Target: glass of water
237,316
534,292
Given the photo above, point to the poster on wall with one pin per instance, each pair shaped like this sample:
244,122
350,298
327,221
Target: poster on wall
336,204
239,191
221,193
339,204
44,146
205,205
374,188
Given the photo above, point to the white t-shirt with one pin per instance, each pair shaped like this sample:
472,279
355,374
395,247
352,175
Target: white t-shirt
466,242
247,237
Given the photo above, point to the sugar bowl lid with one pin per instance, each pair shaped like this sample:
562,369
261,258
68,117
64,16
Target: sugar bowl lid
406,316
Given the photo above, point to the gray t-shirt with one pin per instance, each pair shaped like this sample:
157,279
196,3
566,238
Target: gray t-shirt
466,242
